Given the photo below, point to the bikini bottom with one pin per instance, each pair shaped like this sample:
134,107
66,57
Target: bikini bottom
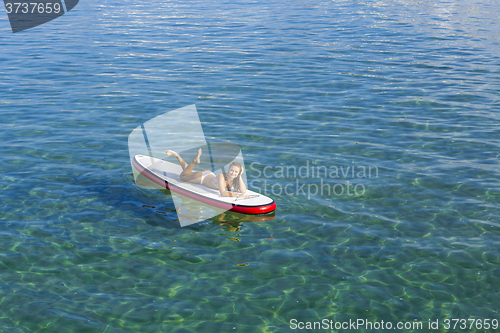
204,174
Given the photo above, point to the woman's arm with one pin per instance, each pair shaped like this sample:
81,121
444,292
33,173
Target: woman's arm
243,187
222,185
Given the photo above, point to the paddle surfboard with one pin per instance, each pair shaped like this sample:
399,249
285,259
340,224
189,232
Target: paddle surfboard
166,174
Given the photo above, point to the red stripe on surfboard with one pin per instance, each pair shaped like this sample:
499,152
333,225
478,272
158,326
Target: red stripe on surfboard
231,207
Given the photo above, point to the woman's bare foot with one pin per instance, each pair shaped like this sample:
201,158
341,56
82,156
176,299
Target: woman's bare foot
197,157
171,153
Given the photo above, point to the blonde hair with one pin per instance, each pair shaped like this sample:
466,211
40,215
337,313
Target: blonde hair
236,181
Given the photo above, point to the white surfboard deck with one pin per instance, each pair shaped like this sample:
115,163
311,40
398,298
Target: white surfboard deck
170,172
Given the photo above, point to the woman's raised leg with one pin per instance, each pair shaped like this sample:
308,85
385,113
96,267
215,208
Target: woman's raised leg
187,173
179,158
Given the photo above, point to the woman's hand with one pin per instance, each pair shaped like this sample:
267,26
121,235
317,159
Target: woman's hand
243,195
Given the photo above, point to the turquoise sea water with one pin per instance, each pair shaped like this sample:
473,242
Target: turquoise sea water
406,89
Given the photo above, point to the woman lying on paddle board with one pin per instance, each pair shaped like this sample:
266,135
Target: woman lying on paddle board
231,182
